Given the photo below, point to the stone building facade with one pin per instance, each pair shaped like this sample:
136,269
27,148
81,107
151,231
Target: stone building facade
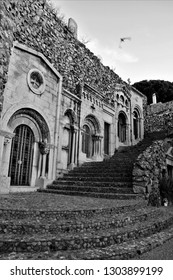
60,106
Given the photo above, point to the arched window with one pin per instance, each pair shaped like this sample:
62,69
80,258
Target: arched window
122,99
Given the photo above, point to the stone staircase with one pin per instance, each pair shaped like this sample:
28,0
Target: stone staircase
124,230
111,233
107,179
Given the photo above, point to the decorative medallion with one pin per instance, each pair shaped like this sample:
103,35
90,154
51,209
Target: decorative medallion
36,81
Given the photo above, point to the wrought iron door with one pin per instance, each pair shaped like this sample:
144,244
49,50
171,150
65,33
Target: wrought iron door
21,156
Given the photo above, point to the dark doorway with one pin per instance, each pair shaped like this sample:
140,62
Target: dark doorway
87,141
135,125
106,138
122,128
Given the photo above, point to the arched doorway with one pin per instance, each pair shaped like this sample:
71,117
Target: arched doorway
69,139
87,141
20,166
122,128
91,139
136,125
29,155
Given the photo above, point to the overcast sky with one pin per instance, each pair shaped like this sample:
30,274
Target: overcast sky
149,53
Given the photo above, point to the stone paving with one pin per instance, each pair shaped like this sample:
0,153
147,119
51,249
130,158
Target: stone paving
46,201
47,226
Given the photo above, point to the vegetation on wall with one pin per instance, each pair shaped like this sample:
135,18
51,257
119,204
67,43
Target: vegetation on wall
163,90
37,24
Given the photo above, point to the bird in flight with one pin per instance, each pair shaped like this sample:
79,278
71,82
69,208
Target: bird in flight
122,40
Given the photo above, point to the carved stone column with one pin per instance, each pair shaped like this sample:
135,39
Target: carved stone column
42,181
43,171
50,170
97,146
6,156
5,150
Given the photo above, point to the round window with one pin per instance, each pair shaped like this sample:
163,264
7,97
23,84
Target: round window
36,81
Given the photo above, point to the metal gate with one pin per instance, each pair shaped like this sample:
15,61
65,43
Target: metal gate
20,167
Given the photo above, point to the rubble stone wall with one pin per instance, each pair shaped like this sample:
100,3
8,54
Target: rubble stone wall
7,28
147,169
157,116
36,25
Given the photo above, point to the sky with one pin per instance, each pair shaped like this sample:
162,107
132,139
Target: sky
147,55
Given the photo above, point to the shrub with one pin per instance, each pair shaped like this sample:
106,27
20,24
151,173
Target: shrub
154,197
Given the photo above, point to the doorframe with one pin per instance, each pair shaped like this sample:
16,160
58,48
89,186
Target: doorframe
21,153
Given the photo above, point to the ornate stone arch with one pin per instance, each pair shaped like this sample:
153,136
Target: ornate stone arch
91,139
71,115
138,109
33,119
25,105
93,122
24,123
123,113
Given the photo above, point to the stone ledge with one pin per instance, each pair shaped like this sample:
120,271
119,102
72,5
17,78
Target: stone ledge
4,184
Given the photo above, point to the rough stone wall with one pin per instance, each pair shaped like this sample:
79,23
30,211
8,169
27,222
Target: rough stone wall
38,27
7,28
147,169
157,116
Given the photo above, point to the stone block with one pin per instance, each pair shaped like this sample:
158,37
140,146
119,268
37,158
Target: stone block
42,182
139,189
4,184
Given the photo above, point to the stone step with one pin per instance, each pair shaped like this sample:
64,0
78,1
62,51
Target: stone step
111,165
80,241
92,174
54,215
125,251
82,224
120,160
108,171
130,249
121,196
113,172
90,184
87,188
84,177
